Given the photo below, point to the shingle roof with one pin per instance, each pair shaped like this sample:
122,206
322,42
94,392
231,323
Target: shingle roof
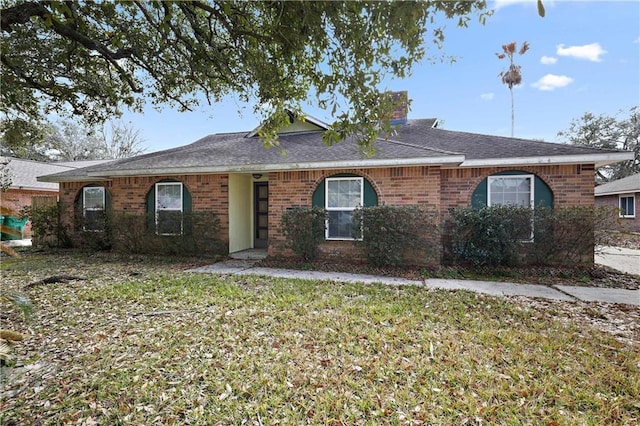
23,173
477,146
416,143
620,186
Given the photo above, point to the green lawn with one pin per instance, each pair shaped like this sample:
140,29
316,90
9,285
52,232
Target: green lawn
140,342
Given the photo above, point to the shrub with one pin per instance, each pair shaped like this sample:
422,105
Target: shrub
94,234
501,235
568,235
135,234
304,230
397,235
489,236
46,228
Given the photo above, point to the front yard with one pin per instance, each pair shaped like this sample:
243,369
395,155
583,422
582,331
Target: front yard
141,342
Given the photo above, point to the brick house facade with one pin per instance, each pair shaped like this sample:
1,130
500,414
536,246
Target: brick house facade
432,187
420,165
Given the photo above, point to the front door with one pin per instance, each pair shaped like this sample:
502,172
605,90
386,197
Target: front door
261,215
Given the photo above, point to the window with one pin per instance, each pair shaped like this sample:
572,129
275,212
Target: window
168,208
343,196
93,208
514,190
628,206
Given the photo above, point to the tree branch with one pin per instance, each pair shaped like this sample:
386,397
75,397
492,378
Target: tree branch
21,14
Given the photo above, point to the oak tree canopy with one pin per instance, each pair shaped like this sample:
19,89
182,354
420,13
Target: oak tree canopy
96,58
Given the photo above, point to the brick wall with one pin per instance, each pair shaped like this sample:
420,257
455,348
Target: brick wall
394,186
429,186
128,194
572,185
426,186
625,224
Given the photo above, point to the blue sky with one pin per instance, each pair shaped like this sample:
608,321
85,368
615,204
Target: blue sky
584,57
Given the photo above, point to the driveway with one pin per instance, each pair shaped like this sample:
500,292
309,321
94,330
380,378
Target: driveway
622,259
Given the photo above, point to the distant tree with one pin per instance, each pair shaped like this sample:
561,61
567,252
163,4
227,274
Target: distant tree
27,139
122,140
73,142
512,76
608,132
93,58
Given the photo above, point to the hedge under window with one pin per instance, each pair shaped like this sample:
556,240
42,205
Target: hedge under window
340,195
514,188
166,204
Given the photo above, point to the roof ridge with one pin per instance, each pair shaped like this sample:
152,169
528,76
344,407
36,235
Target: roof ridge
426,148
28,160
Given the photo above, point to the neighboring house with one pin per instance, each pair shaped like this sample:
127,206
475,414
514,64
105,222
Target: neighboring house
25,185
249,187
622,195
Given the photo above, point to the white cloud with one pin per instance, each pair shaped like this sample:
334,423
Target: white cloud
548,60
499,4
487,96
590,52
637,41
551,82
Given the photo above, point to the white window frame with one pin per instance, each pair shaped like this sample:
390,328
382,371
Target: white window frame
181,209
531,194
92,209
496,177
623,212
351,209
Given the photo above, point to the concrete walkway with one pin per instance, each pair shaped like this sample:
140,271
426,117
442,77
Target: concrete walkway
622,259
555,292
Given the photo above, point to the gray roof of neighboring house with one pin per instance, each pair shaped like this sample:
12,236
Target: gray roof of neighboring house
621,186
416,143
23,173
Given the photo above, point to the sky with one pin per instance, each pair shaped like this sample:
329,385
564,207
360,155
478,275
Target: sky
584,56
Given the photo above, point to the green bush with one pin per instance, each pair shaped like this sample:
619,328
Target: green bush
568,235
93,234
46,228
397,235
133,234
511,236
489,236
304,230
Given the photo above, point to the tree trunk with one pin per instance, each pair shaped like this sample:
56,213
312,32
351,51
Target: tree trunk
512,112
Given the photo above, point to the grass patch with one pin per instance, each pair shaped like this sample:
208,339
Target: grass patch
142,343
